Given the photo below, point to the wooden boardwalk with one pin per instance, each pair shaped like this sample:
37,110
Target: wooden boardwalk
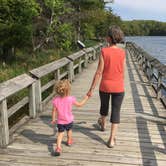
141,138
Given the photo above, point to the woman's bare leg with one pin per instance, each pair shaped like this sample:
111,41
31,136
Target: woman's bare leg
102,122
114,128
103,118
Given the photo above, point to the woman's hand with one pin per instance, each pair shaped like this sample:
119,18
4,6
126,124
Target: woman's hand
89,94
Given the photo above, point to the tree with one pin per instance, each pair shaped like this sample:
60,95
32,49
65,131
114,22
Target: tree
16,24
85,12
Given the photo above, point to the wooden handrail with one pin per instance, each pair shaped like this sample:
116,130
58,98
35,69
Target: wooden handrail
7,89
73,62
152,67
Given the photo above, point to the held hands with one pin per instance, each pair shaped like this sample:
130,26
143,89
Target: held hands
89,94
53,122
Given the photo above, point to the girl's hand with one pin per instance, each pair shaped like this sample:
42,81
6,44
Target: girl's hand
53,122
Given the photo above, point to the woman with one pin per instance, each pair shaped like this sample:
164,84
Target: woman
111,71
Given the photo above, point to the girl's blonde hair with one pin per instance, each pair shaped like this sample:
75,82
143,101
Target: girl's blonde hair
62,88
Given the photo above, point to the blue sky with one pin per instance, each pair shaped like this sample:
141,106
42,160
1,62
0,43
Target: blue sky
140,9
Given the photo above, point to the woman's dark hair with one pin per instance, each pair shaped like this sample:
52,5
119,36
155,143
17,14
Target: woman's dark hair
116,34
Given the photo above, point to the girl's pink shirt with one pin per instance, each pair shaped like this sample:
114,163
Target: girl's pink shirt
64,108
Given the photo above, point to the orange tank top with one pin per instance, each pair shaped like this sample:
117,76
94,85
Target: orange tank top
113,72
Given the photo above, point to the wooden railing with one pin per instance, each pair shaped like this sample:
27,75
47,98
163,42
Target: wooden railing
154,70
66,67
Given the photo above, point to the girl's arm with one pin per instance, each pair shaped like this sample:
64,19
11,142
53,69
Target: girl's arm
54,115
81,103
97,75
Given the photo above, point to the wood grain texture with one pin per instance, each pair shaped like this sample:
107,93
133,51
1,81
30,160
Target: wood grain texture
14,85
141,137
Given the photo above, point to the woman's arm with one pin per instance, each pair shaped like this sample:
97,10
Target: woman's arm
81,103
97,75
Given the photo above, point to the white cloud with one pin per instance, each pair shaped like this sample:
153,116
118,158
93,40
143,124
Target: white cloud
142,5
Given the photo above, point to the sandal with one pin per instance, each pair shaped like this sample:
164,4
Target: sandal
69,142
57,151
101,124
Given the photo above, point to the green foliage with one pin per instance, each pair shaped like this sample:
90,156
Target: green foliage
65,36
16,22
144,28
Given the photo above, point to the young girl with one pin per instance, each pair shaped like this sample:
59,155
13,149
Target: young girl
62,112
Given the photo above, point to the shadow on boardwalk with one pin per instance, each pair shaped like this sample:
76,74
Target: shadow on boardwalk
140,120
50,140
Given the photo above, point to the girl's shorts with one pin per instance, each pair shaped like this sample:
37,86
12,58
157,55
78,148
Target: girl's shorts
63,127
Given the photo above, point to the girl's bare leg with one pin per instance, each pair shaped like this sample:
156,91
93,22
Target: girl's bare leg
69,138
69,135
59,139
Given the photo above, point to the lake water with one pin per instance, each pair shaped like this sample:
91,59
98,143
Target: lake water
154,45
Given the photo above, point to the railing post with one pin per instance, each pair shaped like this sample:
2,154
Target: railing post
57,74
32,106
98,51
80,66
86,60
4,132
151,74
159,86
94,54
38,95
71,71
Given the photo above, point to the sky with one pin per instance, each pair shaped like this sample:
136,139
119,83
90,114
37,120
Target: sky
140,9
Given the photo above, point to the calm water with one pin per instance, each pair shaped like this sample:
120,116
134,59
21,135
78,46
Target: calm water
154,45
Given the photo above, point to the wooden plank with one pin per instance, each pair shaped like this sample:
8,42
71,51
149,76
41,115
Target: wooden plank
17,106
79,148
86,60
17,126
14,85
71,71
80,65
4,133
47,99
123,147
107,158
48,68
76,55
32,102
64,74
57,74
38,95
76,66
33,161
48,85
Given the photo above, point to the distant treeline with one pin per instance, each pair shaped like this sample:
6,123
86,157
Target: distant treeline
37,24
144,28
